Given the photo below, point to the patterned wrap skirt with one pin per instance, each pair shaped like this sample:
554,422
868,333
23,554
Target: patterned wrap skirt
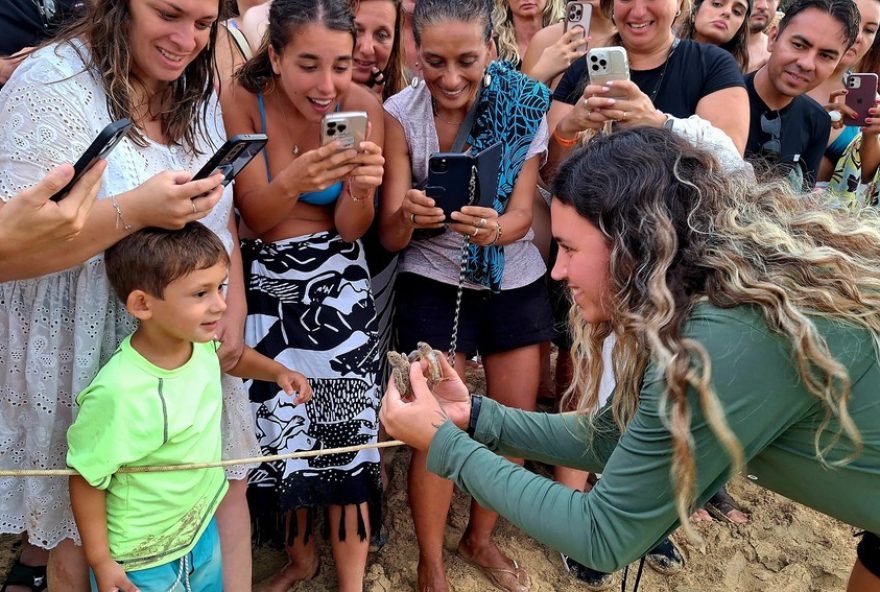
310,307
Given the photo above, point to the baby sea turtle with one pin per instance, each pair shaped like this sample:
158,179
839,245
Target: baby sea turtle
400,368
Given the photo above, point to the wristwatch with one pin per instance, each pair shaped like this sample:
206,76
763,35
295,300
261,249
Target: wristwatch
670,120
476,403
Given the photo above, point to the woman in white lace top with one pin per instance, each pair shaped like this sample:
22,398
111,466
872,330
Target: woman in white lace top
150,61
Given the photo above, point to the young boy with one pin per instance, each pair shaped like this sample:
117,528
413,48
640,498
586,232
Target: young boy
157,401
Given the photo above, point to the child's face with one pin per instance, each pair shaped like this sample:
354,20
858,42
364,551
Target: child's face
192,305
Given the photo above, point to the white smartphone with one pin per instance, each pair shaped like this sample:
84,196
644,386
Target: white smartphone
350,127
606,64
578,14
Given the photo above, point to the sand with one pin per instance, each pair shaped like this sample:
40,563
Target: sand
785,548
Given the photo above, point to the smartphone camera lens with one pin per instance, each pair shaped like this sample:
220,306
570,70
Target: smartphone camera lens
331,131
594,59
603,63
341,127
594,68
331,124
441,166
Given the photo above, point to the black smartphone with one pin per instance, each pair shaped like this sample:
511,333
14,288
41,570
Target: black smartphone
233,156
449,179
101,147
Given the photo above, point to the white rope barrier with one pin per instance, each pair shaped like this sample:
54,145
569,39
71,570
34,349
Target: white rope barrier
211,465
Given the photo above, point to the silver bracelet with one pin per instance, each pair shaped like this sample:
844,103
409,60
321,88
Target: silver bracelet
120,219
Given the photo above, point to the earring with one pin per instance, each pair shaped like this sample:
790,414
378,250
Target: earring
414,83
612,16
487,79
678,13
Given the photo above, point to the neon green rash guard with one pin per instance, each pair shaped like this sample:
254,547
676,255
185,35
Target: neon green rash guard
137,414
633,507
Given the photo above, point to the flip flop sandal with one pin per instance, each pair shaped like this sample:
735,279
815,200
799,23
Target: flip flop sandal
720,505
510,580
666,558
590,579
29,576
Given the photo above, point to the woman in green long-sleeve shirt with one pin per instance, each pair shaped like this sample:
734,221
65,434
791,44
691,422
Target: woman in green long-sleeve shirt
747,323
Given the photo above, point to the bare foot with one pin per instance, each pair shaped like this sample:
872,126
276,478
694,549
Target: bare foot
737,517
701,515
431,578
290,575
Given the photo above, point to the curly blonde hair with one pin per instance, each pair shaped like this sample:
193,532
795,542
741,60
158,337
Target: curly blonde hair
502,23
680,230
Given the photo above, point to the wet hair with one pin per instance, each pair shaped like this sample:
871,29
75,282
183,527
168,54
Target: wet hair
680,229
395,71
286,17
428,12
502,23
844,12
737,46
152,258
185,120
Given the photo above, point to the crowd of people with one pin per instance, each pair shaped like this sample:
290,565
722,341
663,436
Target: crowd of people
696,238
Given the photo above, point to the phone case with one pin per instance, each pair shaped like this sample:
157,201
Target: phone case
861,95
449,176
233,156
101,147
606,64
348,126
578,14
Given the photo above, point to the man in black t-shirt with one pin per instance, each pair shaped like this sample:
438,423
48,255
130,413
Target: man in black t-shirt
26,23
787,127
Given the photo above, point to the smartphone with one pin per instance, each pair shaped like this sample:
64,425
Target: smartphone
233,156
578,14
348,126
606,64
101,147
449,180
861,96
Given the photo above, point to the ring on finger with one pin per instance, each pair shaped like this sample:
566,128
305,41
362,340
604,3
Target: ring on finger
835,116
482,223
623,116
412,218
193,204
476,230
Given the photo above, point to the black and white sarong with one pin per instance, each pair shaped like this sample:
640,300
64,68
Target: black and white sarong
310,307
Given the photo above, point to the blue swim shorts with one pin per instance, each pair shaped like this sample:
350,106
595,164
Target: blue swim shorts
200,570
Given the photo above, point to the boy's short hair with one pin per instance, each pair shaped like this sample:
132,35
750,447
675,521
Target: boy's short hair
152,258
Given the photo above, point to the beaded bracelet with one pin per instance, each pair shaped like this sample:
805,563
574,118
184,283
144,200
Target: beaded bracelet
497,233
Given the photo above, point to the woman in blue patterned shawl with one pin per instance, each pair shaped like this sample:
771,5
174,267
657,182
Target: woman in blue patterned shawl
504,309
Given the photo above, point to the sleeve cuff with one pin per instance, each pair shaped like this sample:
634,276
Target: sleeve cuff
489,422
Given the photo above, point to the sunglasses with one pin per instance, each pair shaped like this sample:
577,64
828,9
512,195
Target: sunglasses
772,127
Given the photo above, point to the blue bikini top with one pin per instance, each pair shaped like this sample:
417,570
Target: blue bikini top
315,198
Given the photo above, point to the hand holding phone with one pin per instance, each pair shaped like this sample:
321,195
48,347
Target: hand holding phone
233,156
349,127
605,64
100,148
861,94
578,15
